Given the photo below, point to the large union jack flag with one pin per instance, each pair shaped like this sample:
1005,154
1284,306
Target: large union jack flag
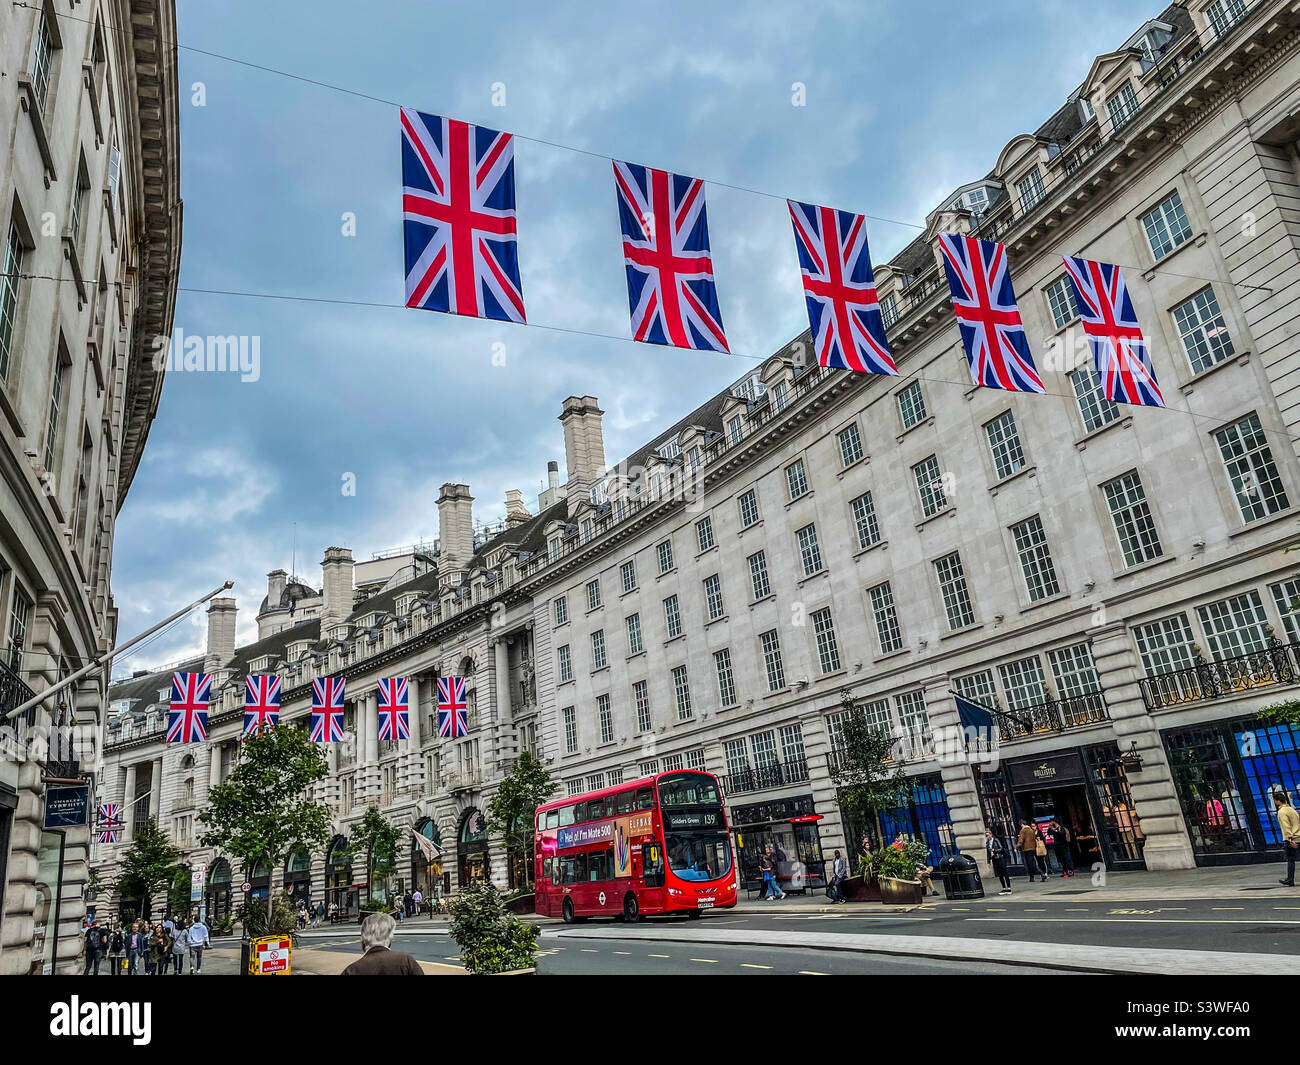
327,709
394,709
848,330
1118,347
187,721
987,315
110,822
261,703
453,713
458,206
670,286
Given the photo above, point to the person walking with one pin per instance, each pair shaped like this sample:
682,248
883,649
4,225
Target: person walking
320,914
180,947
417,901
199,940
1289,823
116,950
1028,842
997,853
379,959
839,873
771,885
1061,845
160,946
96,946
136,940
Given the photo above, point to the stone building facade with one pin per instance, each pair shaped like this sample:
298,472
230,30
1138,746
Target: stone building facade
90,220
1113,580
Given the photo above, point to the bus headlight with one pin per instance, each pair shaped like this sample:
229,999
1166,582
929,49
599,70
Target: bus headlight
674,891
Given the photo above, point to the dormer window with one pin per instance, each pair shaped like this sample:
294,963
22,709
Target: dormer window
1222,15
555,548
1086,113
669,449
1031,190
403,604
260,664
780,397
889,310
339,632
1122,106
165,695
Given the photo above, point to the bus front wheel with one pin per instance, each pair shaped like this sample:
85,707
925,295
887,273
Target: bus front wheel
694,914
631,911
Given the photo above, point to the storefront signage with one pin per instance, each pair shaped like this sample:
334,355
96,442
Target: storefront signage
678,819
67,807
761,813
1046,772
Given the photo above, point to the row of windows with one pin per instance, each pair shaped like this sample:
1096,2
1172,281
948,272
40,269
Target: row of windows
692,759
625,802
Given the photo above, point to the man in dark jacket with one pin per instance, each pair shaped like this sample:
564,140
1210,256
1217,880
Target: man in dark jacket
96,946
379,959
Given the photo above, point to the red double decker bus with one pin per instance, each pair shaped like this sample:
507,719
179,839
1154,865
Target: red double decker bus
654,845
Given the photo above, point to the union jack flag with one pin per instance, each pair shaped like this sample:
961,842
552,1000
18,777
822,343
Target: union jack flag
261,703
110,823
453,713
985,305
458,203
1111,324
843,310
394,712
670,286
187,721
327,709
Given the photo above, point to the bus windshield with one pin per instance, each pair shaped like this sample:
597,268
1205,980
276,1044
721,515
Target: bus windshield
699,856
688,789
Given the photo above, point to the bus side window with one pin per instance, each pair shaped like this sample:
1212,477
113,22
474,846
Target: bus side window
566,816
553,819
625,801
645,799
546,868
652,862
595,809
595,867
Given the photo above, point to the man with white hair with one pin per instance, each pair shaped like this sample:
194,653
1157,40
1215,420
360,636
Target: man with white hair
379,959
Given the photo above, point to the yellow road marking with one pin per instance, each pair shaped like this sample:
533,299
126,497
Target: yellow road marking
625,953
809,972
706,961
658,955
747,965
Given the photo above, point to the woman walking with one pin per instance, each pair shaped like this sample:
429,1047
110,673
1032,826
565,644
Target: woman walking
180,947
116,950
160,945
997,860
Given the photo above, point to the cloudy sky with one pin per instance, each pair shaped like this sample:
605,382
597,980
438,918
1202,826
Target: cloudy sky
903,102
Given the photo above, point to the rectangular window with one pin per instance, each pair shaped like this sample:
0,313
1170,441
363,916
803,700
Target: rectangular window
912,716
1023,682
672,617
1035,559
876,715
780,398
613,779
888,634
763,744
635,644
1286,597
565,660
956,595
1134,525
850,445
726,682
929,486
1251,469
1004,444
682,693
52,422
828,652
1165,645
665,550
561,610
809,551
1031,190
737,756
593,594
1222,15
606,718
704,534
9,283
889,310
864,520
792,750
796,481
695,758
1203,331
713,597
1166,226
1122,106
735,429
570,730
911,405
20,618
627,573
1060,301
650,768
1074,670
641,697
1234,626
42,60
977,687
771,644
748,509
758,575
1095,409
598,659
672,763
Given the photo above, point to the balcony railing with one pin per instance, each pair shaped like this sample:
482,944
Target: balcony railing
762,777
1274,665
13,692
1053,715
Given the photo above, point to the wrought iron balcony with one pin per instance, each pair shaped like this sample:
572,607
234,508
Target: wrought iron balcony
763,777
13,692
1274,665
1053,715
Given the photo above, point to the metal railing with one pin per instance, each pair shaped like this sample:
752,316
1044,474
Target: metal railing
1053,715
14,692
766,776
1276,664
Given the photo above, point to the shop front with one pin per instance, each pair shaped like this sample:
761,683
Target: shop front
923,816
789,827
218,900
426,860
297,877
472,848
339,895
1085,790
260,879
1225,774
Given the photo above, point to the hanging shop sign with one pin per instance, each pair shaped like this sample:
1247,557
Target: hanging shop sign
67,807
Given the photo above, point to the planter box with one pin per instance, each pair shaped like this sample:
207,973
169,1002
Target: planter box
856,890
900,892
517,972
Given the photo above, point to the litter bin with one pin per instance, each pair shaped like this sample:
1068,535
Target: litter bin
961,877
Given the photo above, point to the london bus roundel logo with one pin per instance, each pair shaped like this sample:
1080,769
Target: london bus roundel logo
602,898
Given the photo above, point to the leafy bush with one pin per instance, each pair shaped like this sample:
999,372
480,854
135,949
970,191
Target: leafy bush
283,922
902,861
224,926
490,939
375,906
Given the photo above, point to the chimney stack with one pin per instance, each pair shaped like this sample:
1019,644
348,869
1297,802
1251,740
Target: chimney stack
336,585
516,512
455,527
221,634
584,443
275,585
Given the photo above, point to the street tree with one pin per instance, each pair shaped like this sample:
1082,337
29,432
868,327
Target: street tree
150,864
867,775
377,838
513,808
264,811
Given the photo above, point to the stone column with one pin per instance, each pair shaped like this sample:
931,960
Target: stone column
128,805
155,788
955,769
503,746
368,741
214,766
1154,796
413,761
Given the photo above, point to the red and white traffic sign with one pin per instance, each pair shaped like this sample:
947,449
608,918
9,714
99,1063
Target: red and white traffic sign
245,887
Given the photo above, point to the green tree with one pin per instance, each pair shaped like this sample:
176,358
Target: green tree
513,808
178,892
264,810
491,940
377,838
867,776
1287,713
150,863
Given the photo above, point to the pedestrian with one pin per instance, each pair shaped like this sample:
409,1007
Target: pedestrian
317,914
997,860
839,873
379,959
771,883
199,940
116,950
417,900
96,946
1028,842
135,947
302,915
1061,845
180,947
1289,823
160,946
